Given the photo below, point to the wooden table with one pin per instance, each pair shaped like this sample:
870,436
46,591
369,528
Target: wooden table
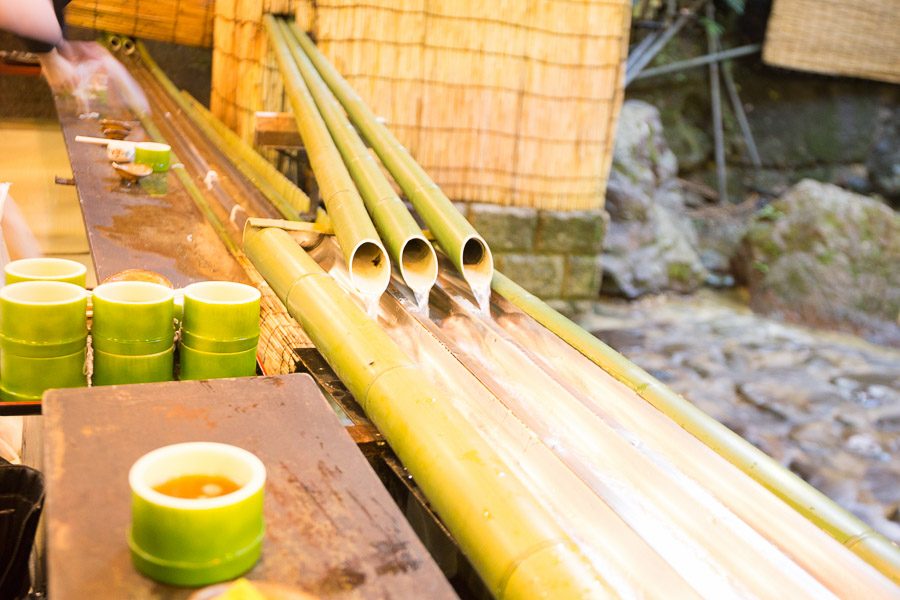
154,226
331,527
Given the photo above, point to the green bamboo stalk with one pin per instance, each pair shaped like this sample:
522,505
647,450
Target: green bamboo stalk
287,198
869,545
458,239
252,165
366,257
513,542
408,247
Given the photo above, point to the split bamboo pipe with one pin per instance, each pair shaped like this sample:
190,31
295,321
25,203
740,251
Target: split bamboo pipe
370,269
869,545
287,198
513,542
458,239
412,253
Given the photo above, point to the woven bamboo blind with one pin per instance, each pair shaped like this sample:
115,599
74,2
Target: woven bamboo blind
860,38
188,22
502,101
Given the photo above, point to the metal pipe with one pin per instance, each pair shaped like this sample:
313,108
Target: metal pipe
699,61
740,115
412,253
457,238
513,542
650,53
370,269
715,95
287,198
871,546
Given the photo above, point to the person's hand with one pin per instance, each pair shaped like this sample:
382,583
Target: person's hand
59,72
90,66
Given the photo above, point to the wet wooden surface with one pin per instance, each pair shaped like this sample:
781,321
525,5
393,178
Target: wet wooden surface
154,225
331,527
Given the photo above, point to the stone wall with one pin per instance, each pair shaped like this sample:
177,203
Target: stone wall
553,254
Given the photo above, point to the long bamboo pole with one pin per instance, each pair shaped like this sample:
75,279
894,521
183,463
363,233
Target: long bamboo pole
514,543
458,239
287,198
408,247
252,165
805,499
370,269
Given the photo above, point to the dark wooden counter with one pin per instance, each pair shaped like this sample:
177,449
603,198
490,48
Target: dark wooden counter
154,226
331,527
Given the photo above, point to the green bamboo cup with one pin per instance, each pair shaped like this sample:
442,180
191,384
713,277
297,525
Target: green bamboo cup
24,377
156,155
45,269
43,312
199,364
221,310
117,369
133,318
193,542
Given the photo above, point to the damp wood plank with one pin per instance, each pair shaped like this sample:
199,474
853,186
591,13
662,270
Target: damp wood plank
332,529
154,225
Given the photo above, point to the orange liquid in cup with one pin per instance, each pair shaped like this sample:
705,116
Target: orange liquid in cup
195,487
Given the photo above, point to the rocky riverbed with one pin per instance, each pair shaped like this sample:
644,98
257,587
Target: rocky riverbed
826,405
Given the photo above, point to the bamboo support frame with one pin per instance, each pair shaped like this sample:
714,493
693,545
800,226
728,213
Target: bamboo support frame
869,545
412,253
515,545
366,256
457,238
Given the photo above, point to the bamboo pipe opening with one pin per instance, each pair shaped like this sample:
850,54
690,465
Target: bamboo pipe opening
477,263
370,270
418,265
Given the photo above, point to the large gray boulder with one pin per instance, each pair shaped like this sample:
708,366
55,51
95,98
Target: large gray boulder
825,256
650,245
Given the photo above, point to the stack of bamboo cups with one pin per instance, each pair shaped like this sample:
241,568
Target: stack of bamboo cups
43,328
220,330
133,333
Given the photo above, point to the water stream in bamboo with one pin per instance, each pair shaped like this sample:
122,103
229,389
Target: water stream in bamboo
635,492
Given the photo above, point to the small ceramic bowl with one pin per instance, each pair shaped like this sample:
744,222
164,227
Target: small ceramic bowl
133,317
198,364
132,172
43,312
153,154
31,377
194,542
221,310
118,369
46,269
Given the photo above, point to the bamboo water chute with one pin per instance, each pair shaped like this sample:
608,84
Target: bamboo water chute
287,198
412,253
458,239
516,547
366,256
812,504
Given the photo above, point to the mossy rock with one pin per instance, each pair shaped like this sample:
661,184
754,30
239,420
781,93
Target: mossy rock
825,256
